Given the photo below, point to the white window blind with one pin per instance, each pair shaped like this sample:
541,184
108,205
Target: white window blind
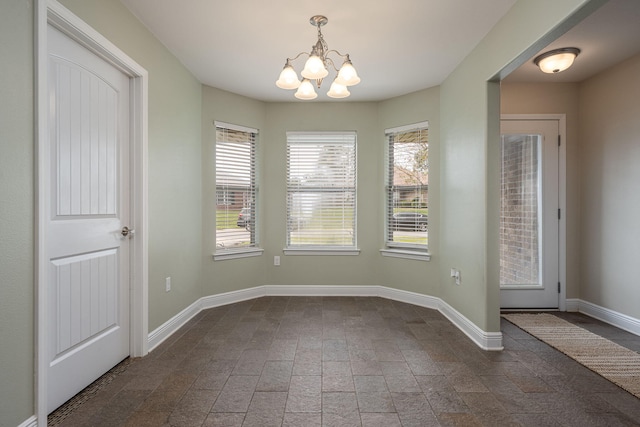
236,190
321,190
407,187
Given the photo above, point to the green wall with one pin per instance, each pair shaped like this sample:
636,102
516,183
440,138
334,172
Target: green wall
218,105
463,115
273,121
469,120
323,270
410,275
16,212
175,179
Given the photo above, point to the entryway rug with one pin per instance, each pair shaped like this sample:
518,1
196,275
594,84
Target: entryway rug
614,362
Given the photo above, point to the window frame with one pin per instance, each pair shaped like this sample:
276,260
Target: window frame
300,138
226,191
416,251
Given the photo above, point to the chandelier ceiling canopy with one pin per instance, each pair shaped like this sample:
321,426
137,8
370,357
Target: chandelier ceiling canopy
317,68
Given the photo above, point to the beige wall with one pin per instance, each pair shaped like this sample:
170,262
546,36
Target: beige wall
603,150
610,176
556,98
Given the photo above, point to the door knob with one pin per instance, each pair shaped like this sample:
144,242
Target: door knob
126,231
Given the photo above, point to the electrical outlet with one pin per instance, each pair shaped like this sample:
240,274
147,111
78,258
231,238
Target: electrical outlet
167,284
276,260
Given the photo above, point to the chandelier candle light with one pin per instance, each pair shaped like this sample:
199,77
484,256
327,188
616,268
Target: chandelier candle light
316,69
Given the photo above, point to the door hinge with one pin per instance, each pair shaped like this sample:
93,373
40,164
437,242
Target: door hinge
559,138
558,287
559,215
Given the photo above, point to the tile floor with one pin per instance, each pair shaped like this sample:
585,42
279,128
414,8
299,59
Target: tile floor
343,361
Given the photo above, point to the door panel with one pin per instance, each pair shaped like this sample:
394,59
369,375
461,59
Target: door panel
84,291
88,283
529,225
85,154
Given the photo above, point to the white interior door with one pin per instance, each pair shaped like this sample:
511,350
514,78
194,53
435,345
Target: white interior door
88,201
529,217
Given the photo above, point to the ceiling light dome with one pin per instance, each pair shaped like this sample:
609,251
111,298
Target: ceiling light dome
556,60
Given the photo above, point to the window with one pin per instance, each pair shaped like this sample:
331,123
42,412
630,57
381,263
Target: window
236,190
407,184
321,192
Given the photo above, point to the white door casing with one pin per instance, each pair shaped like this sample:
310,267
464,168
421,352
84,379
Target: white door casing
545,291
91,281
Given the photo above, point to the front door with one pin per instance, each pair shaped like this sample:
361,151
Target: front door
88,206
529,216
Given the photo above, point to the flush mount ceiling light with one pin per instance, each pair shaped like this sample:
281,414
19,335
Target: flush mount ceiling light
556,60
316,68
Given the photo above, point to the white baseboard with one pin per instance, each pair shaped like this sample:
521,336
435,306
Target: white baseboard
322,291
217,300
619,320
30,422
572,304
168,328
410,297
484,340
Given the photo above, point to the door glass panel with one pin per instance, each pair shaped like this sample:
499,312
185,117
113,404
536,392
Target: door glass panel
520,214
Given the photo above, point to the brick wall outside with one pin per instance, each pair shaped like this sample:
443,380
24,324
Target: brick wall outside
519,254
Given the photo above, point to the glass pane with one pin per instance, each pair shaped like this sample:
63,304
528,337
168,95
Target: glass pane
321,218
407,190
520,216
235,189
321,189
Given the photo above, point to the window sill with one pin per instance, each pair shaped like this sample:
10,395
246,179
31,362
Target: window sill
406,254
237,253
321,251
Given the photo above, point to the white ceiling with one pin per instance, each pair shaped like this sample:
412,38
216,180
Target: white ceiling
608,36
397,46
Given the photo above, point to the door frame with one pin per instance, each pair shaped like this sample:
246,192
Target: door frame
562,196
51,12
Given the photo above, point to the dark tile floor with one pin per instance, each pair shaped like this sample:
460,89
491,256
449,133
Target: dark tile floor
342,361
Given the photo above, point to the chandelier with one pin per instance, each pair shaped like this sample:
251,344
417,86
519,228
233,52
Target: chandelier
316,68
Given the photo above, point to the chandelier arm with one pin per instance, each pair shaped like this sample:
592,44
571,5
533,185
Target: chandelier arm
339,54
297,56
330,61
